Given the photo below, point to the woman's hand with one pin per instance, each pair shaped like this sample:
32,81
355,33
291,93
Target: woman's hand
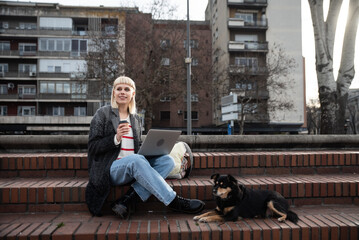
122,129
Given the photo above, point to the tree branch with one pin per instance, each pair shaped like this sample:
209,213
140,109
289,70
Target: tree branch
346,70
331,24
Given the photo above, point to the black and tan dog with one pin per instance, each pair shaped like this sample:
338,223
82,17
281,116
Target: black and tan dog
234,200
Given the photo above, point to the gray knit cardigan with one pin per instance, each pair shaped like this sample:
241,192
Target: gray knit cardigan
102,151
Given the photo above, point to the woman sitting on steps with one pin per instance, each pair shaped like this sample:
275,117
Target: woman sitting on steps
112,159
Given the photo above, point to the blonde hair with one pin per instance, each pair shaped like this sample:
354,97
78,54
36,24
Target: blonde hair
128,81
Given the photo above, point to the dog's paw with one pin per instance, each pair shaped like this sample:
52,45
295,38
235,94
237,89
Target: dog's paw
200,219
204,220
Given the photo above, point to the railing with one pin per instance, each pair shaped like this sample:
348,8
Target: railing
49,32
245,69
247,46
34,32
48,120
240,23
53,54
79,33
53,75
18,74
16,53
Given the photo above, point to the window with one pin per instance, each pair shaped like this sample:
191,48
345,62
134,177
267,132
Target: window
3,110
247,17
165,99
194,98
110,29
28,26
192,43
26,89
194,115
80,111
250,108
57,68
4,25
27,48
51,45
55,45
59,45
4,46
4,67
58,111
244,86
78,90
165,61
58,88
25,68
26,111
55,23
3,89
215,34
51,88
165,43
165,115
246,38
78,46
251,64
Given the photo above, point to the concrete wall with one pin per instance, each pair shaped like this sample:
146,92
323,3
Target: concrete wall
199,143
284,21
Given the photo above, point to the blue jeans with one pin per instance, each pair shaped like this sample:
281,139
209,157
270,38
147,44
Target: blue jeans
148,173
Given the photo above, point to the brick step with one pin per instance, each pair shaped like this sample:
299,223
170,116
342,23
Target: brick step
236,163
68,194
316,222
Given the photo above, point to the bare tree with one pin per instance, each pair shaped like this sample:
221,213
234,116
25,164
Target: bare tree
352,116
105,61
253,82
313,117
333,94
155,60
149,51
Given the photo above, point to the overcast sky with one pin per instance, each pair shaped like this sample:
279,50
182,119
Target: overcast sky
197,10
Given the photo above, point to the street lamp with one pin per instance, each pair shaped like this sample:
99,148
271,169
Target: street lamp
188,61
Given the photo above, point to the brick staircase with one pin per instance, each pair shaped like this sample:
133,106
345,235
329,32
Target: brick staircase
42,197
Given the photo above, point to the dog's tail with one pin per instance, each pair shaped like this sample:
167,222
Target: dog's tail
292,216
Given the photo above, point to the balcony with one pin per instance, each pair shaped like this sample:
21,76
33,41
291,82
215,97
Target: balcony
240,23
35,54
243,69
79,33
18,54
234,46
260,94
256,3
42,32
54,75
18,74
13,74
36,32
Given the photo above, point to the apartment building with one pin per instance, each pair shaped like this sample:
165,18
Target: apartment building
44,85
48,83
244,33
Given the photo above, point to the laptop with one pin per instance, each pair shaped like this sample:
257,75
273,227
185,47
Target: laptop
159,142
